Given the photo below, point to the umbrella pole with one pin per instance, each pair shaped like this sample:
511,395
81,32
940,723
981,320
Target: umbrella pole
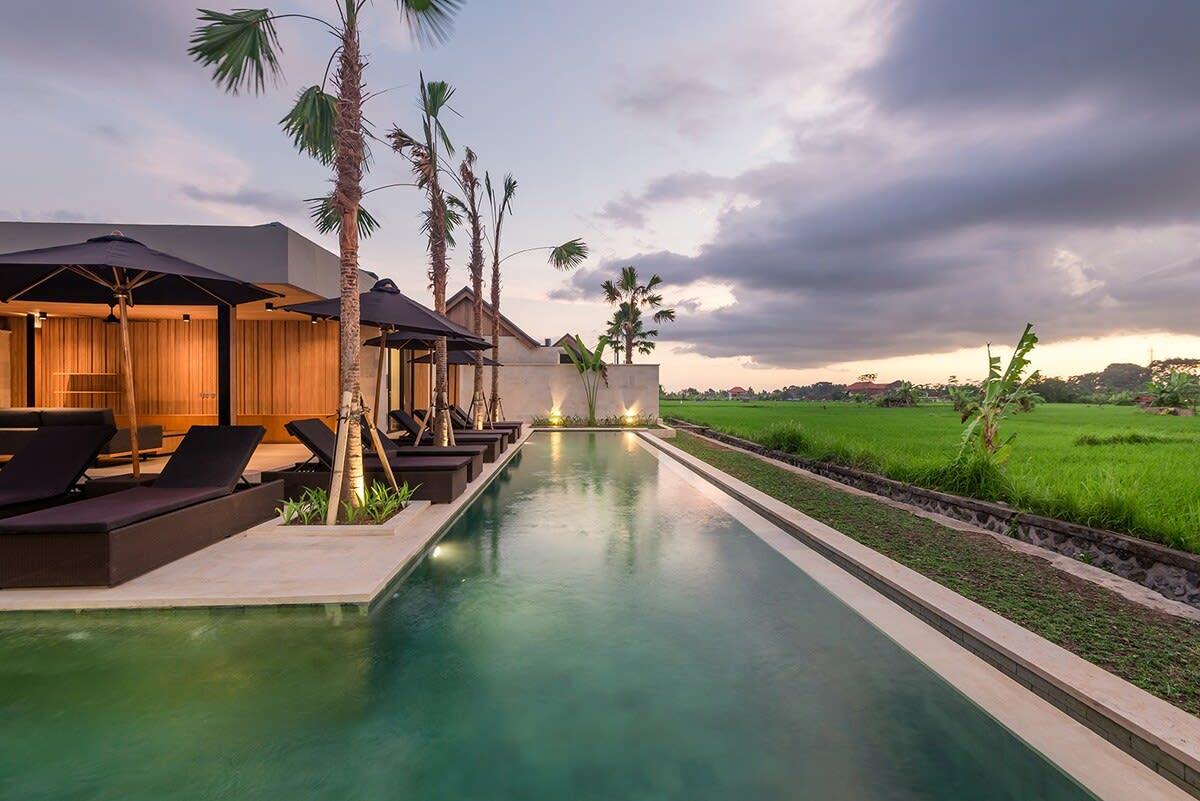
369,421
130,396
339,460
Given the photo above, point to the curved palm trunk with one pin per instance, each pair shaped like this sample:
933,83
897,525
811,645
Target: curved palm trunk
348,164
478,401
437,249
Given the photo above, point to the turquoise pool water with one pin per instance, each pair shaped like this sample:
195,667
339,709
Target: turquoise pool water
592,628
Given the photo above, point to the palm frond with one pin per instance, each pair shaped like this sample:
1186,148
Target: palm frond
327,217
429,21
569,255
310,123
241,46
664,315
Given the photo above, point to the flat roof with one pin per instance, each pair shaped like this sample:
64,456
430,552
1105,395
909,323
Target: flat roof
261,254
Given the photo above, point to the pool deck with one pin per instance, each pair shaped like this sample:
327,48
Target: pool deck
1114,738
270,565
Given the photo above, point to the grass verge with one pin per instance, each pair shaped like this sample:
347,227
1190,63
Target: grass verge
1154,651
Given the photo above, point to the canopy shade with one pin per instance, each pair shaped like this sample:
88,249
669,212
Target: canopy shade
385,306
92,271
407,338
458,357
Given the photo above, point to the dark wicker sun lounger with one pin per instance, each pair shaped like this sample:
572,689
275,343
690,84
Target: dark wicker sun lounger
497,440
463,421
110,539
439,479
393,450
48,465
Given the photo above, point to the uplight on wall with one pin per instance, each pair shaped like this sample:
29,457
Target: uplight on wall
555,417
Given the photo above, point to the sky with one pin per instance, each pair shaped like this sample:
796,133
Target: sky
827,187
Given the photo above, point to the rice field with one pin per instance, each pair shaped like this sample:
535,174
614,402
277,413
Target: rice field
1114,467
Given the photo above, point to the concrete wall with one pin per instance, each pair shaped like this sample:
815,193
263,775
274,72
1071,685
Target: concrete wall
535,390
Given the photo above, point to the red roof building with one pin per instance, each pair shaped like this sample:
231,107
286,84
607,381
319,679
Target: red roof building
868,388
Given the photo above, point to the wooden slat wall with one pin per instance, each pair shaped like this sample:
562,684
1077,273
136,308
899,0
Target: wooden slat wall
16,358
287,368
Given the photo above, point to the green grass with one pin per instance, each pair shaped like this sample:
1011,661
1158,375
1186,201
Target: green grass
1113,467
1152,650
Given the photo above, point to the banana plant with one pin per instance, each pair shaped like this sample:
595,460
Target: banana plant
592,369
1002,392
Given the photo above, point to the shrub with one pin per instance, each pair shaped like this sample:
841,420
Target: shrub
380,502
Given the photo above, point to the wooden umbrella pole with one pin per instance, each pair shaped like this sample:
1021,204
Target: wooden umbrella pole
339,460
369,421
130,395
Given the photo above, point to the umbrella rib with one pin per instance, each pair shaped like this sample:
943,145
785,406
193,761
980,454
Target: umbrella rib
217,298
35,284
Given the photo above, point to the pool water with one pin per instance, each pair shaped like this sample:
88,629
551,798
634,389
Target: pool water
592,628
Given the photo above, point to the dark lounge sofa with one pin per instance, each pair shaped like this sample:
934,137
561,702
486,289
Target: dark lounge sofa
18,425
462,421
495,441
439,479
110,539
44,472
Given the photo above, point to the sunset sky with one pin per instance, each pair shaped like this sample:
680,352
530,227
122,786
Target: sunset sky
827,187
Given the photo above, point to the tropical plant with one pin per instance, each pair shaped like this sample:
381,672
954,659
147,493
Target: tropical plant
380,502
1002,392
592,369
425,157
306,510
631,296
965,398
567,256
904,395
1175,391
242,47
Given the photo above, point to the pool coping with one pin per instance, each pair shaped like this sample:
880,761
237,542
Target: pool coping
269,566
1157,734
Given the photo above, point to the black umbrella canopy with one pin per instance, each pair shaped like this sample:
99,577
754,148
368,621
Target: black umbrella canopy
386,306
91,271
460,358
407,338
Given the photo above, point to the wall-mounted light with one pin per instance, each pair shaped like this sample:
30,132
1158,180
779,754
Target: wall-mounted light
187,318
37,319
313,321
270,307
111,319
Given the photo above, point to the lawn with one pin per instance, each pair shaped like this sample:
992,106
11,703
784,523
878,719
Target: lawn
1147,484
1155,651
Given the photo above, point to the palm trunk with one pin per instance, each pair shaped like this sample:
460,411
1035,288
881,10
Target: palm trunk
437,250
348,164
495,402
478,401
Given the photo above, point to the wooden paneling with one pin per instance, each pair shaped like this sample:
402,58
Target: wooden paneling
16,358
286,368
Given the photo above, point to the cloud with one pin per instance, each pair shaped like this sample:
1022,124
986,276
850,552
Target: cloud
250,198
902,224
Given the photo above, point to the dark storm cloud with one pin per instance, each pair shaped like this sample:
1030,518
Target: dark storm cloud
1091,141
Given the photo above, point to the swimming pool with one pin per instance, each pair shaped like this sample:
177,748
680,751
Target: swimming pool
593,627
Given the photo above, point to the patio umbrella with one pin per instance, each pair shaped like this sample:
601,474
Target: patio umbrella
389,309
459,359
117,270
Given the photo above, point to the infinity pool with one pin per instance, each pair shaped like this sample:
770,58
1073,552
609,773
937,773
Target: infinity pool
593,628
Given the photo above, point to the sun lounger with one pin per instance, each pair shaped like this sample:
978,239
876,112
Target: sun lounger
393,450
110,539
497,440
463,421
439,479
51,460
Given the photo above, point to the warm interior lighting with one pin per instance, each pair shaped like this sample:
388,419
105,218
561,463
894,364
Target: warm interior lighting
187,318
313,321
42,315
111,319
270,307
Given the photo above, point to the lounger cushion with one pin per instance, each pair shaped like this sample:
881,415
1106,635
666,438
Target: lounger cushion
51,461
211,456
109,512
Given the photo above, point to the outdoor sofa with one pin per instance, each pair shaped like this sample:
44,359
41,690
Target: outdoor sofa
44,472
393,450
495,441
439,479
463,421
18,425
104,541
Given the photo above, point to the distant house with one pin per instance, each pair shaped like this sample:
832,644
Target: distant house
869,388
738,393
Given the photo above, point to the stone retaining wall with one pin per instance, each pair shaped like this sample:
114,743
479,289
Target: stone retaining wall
1169,572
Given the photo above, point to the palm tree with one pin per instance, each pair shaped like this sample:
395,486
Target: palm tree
567,256
630,296
242,47
469,182
424,154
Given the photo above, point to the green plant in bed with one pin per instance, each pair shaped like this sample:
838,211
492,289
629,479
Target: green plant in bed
307,510
380,502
